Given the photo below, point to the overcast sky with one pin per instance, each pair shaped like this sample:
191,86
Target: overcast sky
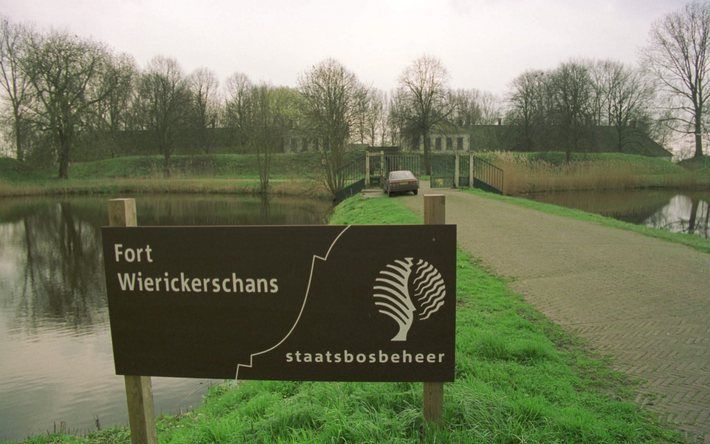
484,44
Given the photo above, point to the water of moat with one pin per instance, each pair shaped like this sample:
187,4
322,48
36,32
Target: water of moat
676,211
57,363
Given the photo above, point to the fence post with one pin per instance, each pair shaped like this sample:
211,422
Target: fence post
367,169
470,170
433,400
382,166
139,393
457,170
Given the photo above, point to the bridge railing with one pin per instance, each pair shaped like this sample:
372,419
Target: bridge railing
486,175
352,178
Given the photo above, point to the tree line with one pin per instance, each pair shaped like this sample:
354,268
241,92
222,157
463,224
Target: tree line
58,88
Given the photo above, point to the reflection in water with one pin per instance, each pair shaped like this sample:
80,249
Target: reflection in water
57,363
683,214
668,210
58,274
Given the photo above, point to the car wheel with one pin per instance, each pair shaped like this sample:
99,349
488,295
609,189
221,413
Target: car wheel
415,192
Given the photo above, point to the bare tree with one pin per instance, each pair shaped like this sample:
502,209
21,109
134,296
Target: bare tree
572,92
397,119
384,120
238,87
112,114
376,111
473,107
331,99
369,116
527,106
678,55
164,100
14,82
625,96
66,75
267,112
424,93
203,85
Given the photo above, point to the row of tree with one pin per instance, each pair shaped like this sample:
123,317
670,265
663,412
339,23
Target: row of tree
58,88
573,99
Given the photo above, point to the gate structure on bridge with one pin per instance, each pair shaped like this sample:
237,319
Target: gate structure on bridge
447,171
378,165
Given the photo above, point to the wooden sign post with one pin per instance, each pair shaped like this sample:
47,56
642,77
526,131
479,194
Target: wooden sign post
139,394
434,213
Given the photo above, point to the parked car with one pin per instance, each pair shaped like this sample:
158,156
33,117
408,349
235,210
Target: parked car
401,182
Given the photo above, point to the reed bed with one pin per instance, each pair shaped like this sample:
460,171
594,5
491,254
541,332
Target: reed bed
525,174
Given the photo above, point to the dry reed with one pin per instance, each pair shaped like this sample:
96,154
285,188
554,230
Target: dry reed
524,175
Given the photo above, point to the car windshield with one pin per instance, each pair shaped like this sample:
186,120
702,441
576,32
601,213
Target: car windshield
399,175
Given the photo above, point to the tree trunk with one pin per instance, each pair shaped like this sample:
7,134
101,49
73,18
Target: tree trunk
693,215
427,152
619,136
166,163
18,137
698,131
64,144
698,141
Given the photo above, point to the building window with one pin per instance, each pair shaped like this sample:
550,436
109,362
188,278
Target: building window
459,143
449,143
437,143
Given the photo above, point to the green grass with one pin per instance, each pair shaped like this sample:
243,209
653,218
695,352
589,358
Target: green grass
201,165
283,165
13,171
700,164
689,240
519,378
279,187
143,174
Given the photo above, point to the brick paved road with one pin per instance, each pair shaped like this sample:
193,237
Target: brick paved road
644,301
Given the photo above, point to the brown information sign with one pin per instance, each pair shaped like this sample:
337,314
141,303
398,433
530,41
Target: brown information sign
320,303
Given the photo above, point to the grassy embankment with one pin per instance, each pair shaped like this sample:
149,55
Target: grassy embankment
690,240
291,174
519,378
547,171
294,174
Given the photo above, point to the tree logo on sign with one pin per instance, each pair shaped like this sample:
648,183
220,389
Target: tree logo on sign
407,290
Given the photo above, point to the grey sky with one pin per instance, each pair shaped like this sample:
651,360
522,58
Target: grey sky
483,43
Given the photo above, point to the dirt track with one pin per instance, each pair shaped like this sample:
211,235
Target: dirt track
643,301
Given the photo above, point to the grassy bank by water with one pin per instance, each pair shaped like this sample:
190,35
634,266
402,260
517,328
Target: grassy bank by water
199,165
689,240
192,174
548,171
519,378
279,187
